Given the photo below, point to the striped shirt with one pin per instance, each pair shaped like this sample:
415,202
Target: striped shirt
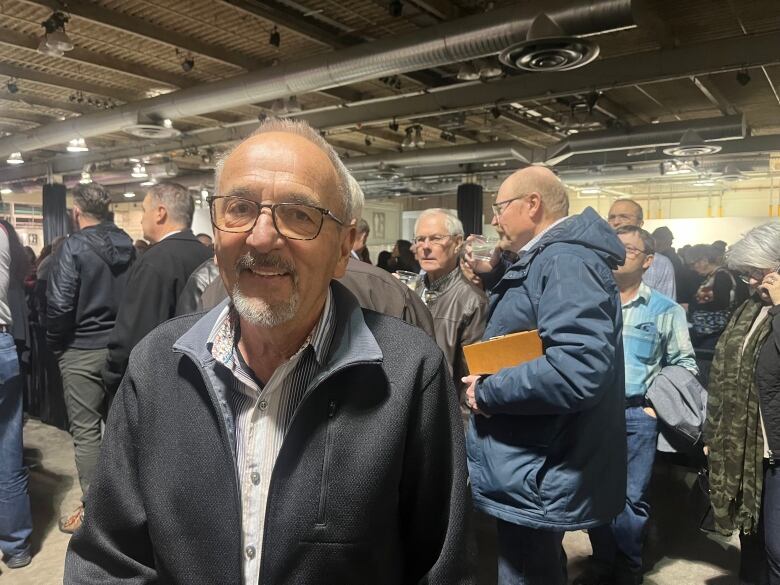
655,335
262,415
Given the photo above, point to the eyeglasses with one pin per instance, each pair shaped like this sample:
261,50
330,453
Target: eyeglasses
756,274
294,221
634,252
622,217
434,240
500,207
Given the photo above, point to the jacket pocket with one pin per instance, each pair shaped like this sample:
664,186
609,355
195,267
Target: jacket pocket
325,481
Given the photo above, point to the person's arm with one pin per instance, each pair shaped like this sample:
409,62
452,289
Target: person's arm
472,330
576,321
62,297
678,349
113,544
146,304
433,494
416,313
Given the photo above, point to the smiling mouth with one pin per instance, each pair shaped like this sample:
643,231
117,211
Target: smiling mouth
267,273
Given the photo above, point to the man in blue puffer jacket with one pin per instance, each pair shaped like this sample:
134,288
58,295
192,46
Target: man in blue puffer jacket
546,441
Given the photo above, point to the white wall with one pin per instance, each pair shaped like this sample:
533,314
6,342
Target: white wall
706,230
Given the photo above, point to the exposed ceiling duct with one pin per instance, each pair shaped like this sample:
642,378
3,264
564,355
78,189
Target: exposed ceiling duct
461,154
455,41
650,135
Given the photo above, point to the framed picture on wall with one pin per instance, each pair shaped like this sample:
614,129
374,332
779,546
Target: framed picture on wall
378,225
32,239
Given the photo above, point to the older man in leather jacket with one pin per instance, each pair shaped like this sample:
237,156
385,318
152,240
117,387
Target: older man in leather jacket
459,308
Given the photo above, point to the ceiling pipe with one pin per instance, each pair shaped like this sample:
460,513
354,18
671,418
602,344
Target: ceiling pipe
461,154
472,37
650,135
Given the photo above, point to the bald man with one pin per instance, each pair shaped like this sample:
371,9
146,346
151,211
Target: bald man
546,440
660,275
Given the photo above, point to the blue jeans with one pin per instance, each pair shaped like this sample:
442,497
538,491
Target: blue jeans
527,556
626,533
15,517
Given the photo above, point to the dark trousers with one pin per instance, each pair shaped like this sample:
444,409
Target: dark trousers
759,562
527,556
623,538
86,402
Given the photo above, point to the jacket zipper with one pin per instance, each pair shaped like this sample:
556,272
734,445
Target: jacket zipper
272,484
326,464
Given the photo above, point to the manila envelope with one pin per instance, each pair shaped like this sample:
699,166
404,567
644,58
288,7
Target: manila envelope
488,357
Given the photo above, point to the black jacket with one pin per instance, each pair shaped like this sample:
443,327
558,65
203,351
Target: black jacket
369,487
768,382
86,285
154,286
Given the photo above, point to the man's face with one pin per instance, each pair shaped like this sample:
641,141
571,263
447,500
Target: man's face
149,219
623,213
637,259
513,223
270,278
438,252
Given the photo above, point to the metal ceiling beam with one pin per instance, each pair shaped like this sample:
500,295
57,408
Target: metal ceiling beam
62,82
79,55
31,100
140,27
714,95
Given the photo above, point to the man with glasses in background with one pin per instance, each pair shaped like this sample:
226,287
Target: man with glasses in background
459,309
655,335
287,436
549,453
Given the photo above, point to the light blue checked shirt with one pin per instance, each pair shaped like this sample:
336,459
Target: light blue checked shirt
655,335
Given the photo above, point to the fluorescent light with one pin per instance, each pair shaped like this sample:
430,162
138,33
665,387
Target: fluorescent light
590,190
5,191
77,145
533,113
139,171
128,195
15,159
149,183
548,120
704,183
86,178
168,123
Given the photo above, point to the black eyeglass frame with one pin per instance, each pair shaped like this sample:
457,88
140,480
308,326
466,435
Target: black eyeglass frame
273,207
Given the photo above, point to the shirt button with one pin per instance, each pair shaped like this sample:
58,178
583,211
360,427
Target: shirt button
255,477
250,552
263,405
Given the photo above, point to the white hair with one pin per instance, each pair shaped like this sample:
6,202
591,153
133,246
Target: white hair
452,224
759,248
357,199
302,129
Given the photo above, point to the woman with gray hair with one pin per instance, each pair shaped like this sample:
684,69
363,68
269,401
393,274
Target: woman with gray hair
743,419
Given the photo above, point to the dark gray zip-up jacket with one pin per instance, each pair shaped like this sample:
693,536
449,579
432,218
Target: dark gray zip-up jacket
369,486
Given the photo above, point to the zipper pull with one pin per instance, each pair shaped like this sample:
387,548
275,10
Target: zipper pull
331,408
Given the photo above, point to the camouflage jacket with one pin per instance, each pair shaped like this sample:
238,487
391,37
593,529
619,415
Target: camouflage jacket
733,431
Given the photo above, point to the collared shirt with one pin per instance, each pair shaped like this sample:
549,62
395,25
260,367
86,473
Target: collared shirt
262,416
660,276
430,291
538,236
655,335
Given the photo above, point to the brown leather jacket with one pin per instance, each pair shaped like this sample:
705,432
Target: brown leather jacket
459,312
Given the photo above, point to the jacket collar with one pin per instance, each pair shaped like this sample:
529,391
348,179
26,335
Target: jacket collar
352,343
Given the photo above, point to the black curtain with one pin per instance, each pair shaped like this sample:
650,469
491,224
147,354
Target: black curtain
56,221
470,207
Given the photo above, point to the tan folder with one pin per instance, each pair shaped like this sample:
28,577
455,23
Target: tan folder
488,357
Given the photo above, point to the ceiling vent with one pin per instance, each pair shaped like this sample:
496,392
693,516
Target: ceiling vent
547,48
152,130
692,144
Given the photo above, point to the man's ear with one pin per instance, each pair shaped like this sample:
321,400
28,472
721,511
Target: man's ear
345,250
162,214
648,261
535,206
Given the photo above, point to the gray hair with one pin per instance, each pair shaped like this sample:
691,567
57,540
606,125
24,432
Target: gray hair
177,201
302,129
452,224
759,248
556,198
648,242
357,199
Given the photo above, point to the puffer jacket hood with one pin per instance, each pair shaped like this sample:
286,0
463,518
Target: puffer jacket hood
109,242
587,229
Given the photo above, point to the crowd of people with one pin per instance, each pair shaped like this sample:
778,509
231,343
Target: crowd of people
279,409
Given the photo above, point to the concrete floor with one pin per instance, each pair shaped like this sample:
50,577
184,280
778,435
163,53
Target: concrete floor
677,553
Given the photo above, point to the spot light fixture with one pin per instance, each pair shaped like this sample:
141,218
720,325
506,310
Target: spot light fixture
6,191
139,171
77,145
11,86
743,77
395,8
15,159
55,41
393,125
187,62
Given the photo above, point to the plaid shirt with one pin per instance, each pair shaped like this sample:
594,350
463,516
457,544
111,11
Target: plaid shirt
655,335
262,415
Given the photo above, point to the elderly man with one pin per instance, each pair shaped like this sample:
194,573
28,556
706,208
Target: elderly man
546,443
660,276
655,335
160,275
458,307
287,436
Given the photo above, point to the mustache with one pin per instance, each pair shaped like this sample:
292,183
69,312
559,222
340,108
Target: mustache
251,261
